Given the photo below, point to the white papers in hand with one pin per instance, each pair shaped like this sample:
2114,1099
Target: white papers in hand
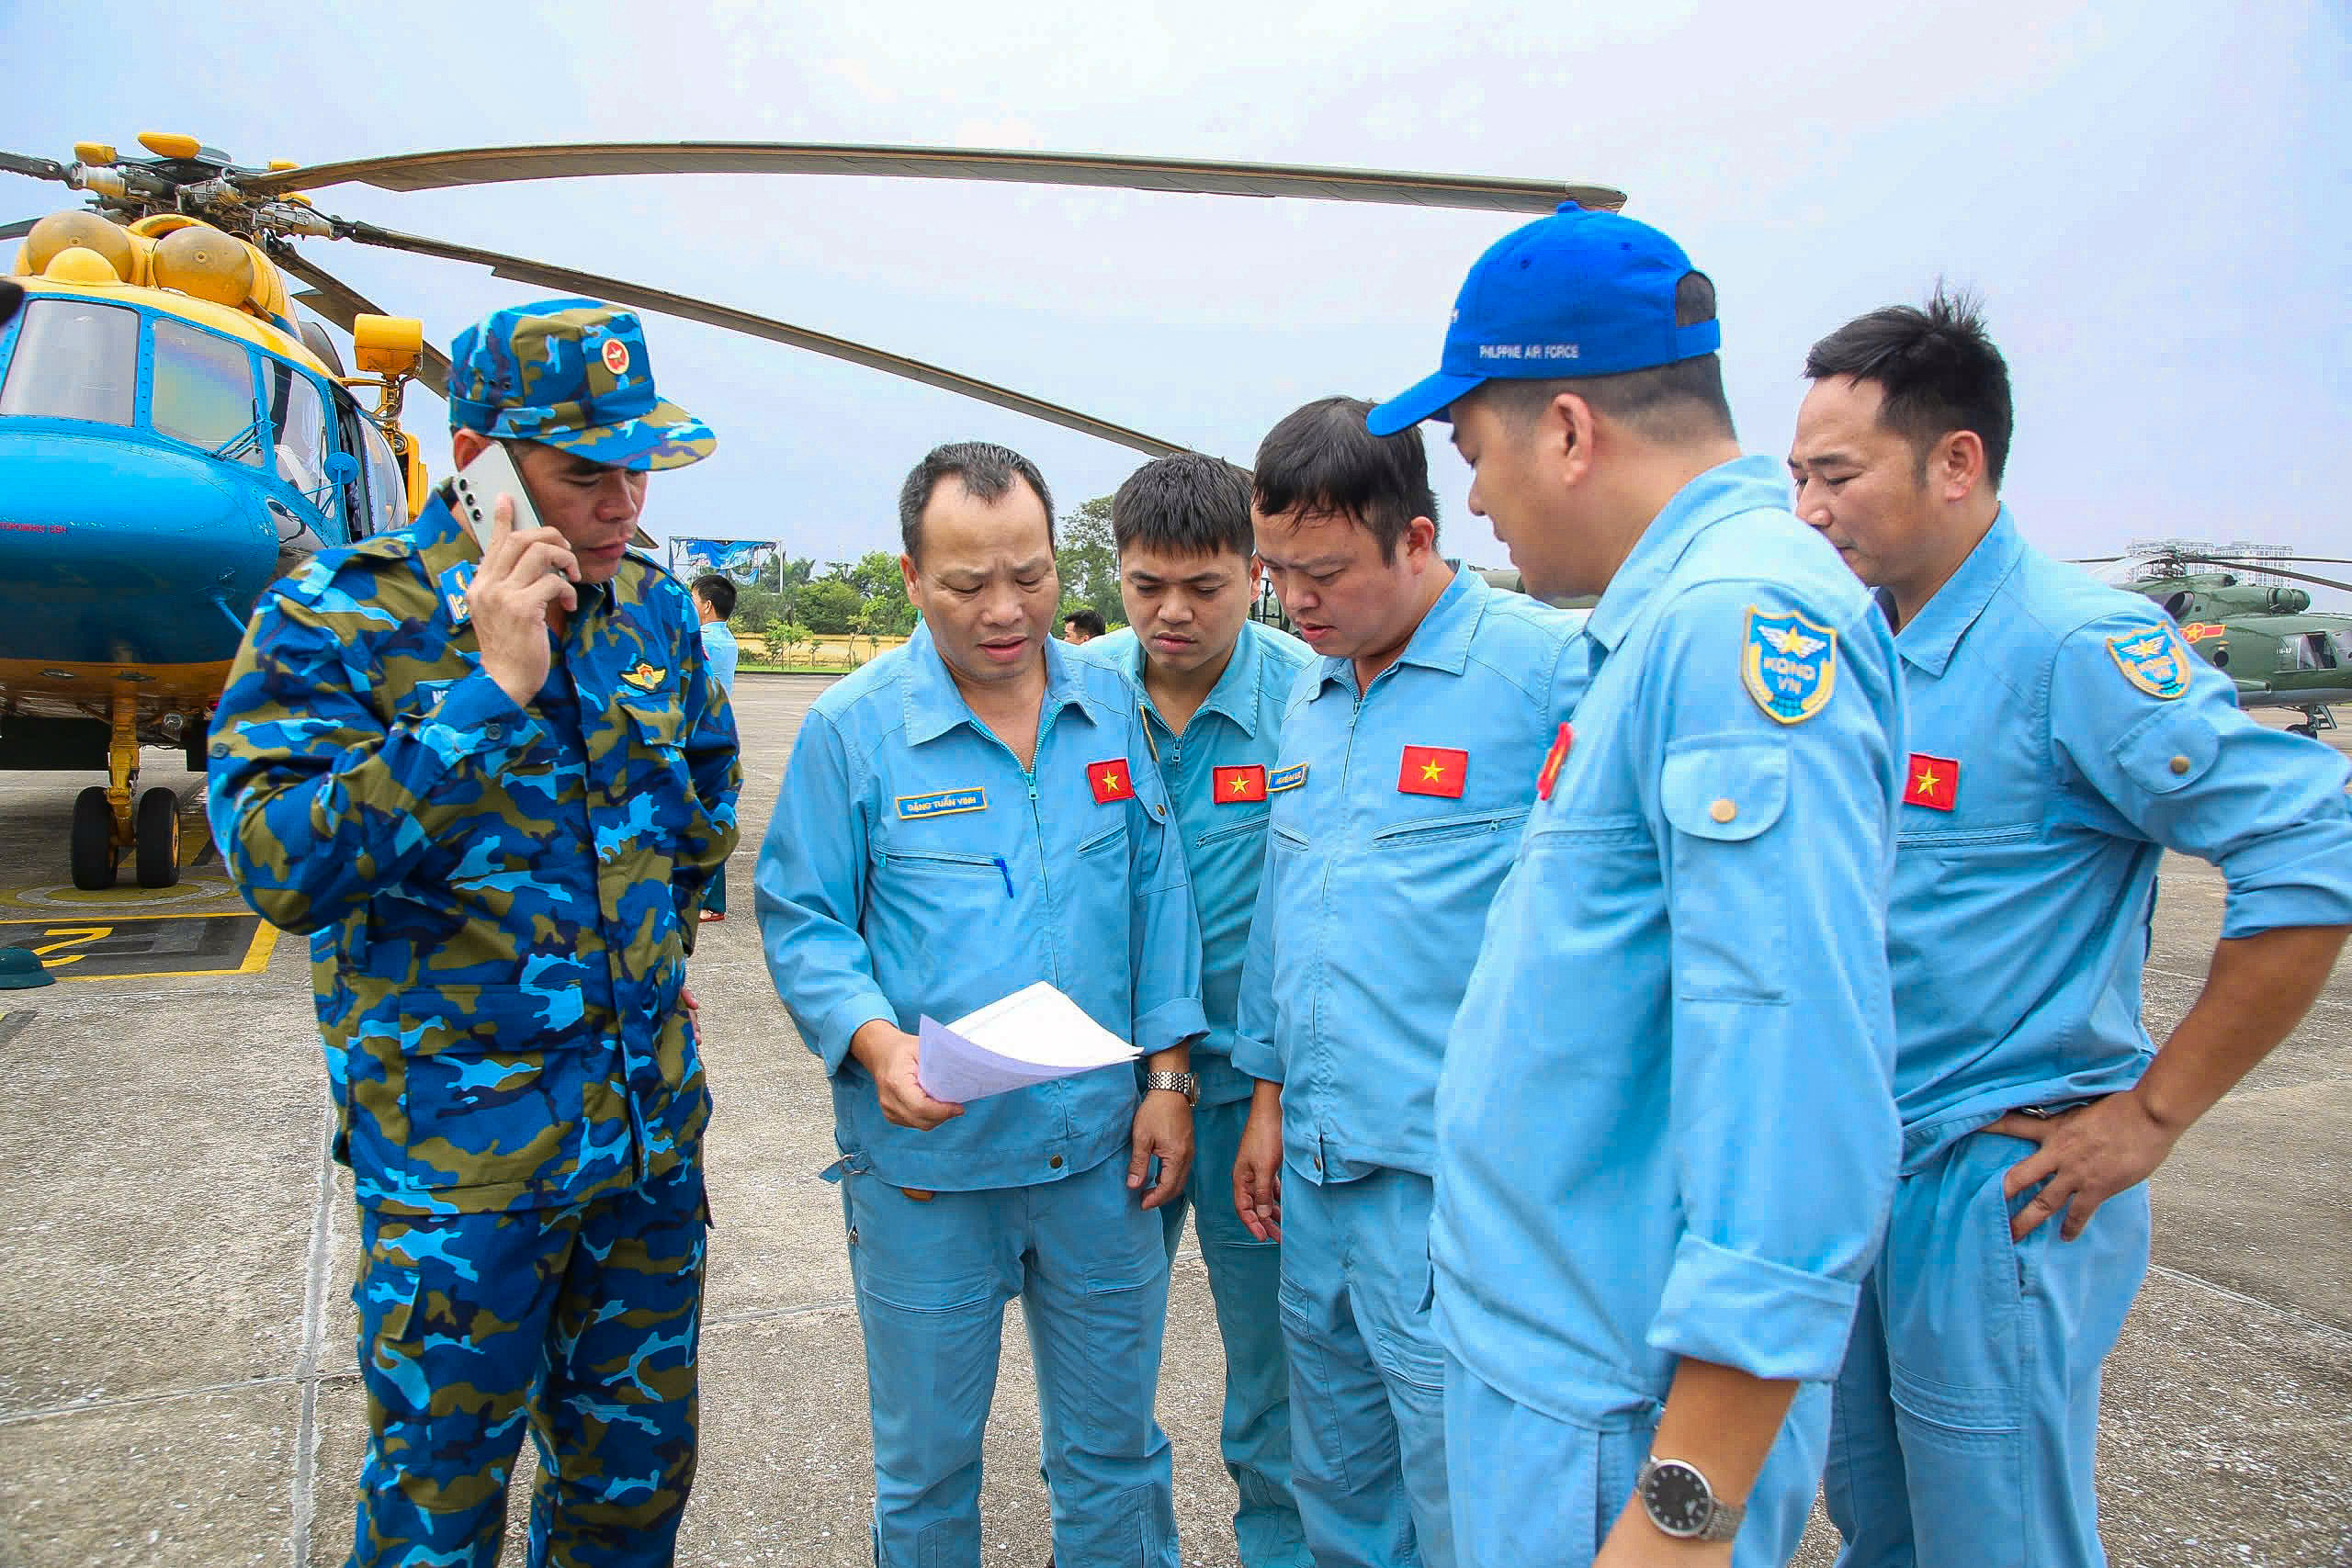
1034,1035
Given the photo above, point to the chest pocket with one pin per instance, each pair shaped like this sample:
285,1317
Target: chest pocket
657,720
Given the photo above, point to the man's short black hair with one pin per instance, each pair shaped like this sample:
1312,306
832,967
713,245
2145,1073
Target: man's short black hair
1188,505
987,472
1321,459
1936,369
1673,404
717,591
1091,622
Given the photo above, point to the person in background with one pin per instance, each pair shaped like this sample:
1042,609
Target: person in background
2062,737
1211,683
1082,626
715,604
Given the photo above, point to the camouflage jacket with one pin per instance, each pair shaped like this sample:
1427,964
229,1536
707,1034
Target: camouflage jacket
499,899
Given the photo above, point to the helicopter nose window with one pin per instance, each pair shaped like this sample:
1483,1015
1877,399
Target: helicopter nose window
75,360
204,390
299,422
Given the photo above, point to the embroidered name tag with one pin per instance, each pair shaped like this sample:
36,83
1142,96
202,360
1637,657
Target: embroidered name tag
1286,778
942,803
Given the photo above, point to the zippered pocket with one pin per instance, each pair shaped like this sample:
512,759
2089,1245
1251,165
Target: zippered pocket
1437,829
1966,837
941,863
1233,831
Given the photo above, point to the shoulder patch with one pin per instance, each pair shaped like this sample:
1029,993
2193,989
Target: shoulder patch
1788,664
2154,660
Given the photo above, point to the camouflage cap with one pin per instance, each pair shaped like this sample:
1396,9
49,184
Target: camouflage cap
573,374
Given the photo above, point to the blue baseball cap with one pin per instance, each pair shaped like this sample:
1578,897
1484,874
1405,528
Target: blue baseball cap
573,374
1579,293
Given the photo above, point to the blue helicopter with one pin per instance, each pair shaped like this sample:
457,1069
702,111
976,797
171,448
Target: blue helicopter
172,438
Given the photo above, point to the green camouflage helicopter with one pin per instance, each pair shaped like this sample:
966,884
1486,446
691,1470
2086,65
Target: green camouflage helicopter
2264,637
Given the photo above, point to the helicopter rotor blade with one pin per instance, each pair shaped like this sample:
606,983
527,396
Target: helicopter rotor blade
548,276
18,229
2265,566
493,165
338,302
34,168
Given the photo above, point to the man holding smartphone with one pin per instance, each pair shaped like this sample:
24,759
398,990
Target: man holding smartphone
490,779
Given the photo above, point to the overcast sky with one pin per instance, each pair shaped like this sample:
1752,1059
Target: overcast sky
2151,197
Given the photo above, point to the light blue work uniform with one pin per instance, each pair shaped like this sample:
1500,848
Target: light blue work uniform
1397,810
914,867
720,652
1217,773
2069,737
1666,1127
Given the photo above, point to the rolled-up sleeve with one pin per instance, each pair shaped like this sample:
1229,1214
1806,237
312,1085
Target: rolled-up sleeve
1777,841
809,893
2198,775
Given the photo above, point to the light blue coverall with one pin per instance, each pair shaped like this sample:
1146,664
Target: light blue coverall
1665,1126
1217,773
914,867
2074,736
1397,813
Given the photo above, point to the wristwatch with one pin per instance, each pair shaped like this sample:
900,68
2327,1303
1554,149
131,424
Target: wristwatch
1186,1083
1680,1503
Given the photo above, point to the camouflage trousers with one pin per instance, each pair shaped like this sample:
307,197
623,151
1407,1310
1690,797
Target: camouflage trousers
581,1322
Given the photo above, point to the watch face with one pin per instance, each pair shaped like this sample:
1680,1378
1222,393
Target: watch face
1677,1499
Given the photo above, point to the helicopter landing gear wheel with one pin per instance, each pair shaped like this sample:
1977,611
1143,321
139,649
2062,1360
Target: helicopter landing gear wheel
155,832
93,845
2306,728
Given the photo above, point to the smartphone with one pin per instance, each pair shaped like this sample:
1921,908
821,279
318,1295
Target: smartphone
480,484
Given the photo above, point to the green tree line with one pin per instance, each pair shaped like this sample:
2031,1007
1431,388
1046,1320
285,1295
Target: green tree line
867,597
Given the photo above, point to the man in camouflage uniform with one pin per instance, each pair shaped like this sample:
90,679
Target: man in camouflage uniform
490,785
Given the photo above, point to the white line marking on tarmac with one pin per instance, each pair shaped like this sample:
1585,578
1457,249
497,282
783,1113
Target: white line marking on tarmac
2305,1319
306,1369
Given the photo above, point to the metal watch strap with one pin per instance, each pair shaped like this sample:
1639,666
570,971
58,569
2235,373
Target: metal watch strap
1722,1518
1186,1083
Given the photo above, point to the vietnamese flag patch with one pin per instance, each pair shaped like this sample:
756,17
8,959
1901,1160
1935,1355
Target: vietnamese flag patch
1236,785
1108,781
1933,782
1434,769
1549,775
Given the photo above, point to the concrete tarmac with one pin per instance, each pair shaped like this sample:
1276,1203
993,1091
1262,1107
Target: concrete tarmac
177,1366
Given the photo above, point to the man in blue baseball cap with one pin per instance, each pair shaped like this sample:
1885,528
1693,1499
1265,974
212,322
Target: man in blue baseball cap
491,784
1658,1191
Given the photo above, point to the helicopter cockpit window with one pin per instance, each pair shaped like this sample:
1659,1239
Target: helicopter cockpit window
75,360
2314,650
387,481
298,418
204,391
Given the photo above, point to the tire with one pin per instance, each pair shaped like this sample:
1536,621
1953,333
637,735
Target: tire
93,844
2306,728
155,831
